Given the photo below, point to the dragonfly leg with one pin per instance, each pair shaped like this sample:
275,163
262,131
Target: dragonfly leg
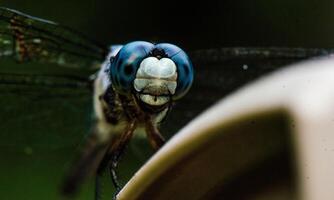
154,136
114,178
117,151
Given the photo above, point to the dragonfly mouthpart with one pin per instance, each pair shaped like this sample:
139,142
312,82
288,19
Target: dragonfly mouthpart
154,100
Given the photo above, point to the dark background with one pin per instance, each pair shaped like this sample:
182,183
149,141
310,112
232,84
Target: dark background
42,128
194,24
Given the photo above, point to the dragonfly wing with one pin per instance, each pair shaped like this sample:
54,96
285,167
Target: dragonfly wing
43,122
28,38
218,72
87,165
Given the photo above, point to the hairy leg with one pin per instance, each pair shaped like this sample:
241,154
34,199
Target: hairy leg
116,151
154,136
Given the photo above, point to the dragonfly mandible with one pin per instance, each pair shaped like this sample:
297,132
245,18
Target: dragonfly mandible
131,93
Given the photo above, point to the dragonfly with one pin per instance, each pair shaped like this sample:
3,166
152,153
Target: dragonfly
133,86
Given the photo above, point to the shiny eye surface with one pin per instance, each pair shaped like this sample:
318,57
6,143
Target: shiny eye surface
124,66
185,72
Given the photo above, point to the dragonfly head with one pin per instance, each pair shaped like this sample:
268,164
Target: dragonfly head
156,74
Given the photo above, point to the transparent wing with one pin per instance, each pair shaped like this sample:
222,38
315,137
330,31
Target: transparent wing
218,72
44,119
28,38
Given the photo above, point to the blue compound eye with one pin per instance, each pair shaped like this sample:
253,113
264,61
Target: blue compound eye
124,66
185,73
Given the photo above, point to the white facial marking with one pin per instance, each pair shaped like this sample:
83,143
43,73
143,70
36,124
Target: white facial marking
152,67
156,79
163,68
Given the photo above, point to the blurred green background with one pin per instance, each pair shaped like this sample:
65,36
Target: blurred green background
43,128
